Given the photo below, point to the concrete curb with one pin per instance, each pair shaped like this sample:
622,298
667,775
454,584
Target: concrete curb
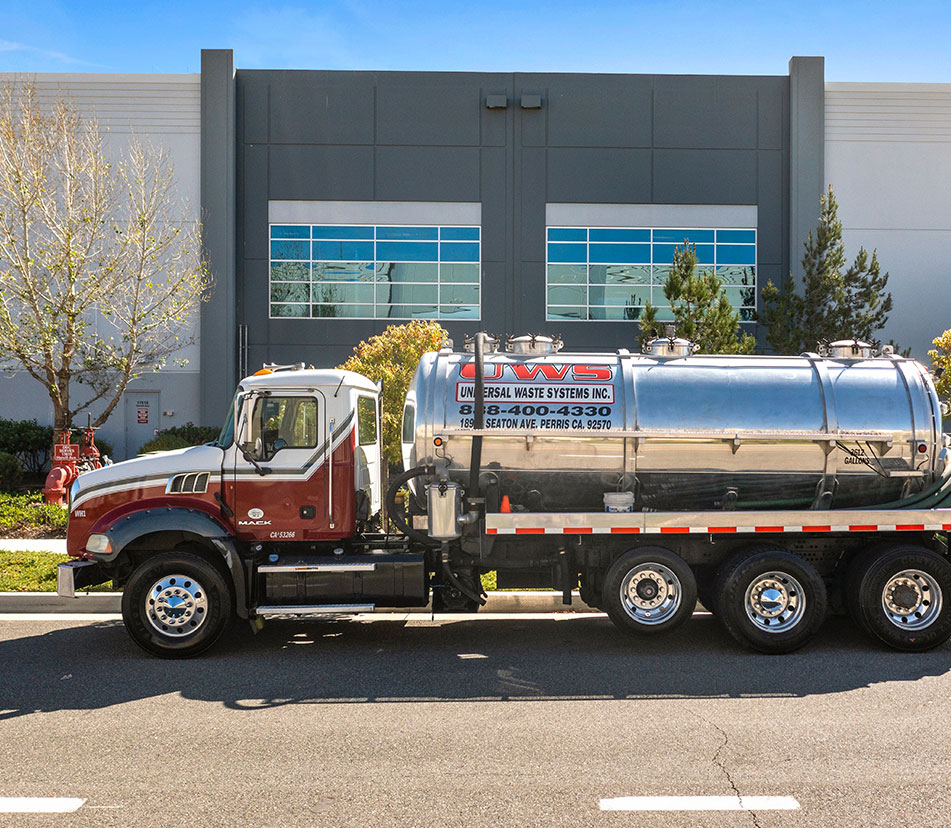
55,546
110,602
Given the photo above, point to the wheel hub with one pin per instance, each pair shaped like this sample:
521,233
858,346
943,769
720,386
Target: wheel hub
651,593
176,605
647,590
912,599
775,602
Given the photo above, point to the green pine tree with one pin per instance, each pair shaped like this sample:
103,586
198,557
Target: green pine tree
833,301
702,312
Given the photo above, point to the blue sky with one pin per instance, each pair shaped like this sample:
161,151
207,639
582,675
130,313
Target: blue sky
869,40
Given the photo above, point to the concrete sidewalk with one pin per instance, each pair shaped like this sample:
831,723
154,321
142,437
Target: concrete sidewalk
56,546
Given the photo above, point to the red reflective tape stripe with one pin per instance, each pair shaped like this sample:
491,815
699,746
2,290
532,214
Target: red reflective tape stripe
674,530
863,527
491,531
816,528
769,528
577,530
946,526
529,531
624,530
712,529
910,527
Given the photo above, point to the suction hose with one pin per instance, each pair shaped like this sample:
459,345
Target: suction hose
396,514
478,420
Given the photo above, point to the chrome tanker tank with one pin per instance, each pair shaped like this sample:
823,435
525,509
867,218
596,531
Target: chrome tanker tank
679,430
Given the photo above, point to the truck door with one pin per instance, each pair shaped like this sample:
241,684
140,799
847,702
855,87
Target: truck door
368,452
280,468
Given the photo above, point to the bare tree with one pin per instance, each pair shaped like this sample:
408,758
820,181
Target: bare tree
99,278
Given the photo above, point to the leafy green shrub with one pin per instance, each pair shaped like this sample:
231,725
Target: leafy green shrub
164,442
11,471
28,441
19,511
192,434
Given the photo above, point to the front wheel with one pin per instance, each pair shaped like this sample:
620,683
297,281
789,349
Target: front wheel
176,604
649,591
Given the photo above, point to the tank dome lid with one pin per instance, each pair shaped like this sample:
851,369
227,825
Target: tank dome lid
669,345
847,349
534,344
490,344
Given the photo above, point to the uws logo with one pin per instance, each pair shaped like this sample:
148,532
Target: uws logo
255,515
540,372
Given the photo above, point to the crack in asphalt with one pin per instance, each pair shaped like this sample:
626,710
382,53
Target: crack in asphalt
722,765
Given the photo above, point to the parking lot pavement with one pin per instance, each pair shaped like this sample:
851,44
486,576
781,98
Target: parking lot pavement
522,721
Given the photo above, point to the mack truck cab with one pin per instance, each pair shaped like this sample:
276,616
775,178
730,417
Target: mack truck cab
278,516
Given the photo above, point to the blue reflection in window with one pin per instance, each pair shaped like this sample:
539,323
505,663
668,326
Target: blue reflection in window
406,252
567,253
459,252
343,251
285,231
290,250
704,253
567,234
620,253
605,234
736,236
459,233
678,236
736,254
329,231
410,233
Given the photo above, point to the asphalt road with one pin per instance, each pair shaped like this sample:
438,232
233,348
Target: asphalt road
495,722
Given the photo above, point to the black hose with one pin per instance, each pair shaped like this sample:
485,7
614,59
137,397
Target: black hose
451,577
396,514
478,420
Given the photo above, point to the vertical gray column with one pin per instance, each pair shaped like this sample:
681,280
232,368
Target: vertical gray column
806,151
218,330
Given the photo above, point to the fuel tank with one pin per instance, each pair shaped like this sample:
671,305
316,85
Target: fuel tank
681,431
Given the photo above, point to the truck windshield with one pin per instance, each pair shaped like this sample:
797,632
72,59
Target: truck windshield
226,437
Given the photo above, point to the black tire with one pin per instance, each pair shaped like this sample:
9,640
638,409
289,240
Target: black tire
191,606
770,600
902,581
649,591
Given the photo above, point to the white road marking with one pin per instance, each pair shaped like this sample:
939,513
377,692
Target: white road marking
39,805
471,655
700,803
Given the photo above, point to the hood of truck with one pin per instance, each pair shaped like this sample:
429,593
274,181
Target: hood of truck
144,472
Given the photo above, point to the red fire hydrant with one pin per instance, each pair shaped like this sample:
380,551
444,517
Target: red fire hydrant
69,461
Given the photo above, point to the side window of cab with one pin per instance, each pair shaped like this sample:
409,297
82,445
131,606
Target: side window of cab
366,421
282,423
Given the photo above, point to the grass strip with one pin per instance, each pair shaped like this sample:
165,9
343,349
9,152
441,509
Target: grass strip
34,572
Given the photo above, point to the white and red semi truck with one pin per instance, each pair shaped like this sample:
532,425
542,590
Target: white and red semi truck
771,488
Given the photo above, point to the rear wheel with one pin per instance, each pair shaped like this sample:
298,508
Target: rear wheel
649,591
176,604
770,599
901,595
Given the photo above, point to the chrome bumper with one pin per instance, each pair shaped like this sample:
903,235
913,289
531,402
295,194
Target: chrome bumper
66,577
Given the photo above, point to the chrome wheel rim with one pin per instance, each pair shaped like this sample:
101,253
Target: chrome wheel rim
775,602
911,599
176,605
651,593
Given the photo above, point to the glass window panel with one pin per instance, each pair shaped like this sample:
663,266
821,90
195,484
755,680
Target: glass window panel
567,295
736,254
408,272
740,296
664,253
704,253
567,252
407,294
329,231
459,294
459,233
567,274
620,253
406,251
412,233
457,272
664,314
289,231
326,293
736,236
290,310
343,311
658,297
659,274
620,274
566,313
290,292
677,236
567,234
737,275
459,252
618,295
615,312
344,251
290,272
610,234
366,421
458,312
747,315
407,312
290,250
342,272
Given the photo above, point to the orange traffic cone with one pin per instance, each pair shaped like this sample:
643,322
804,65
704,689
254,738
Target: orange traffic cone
506,507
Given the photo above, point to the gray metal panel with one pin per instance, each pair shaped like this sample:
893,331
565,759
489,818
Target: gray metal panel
770,192
338,111
693,112
617,115
432,109
696,176
806,150
374,212
218,316
653,215
252,209
320,172
599,174
427,173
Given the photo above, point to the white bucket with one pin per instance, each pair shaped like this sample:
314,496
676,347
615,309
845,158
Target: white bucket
619,501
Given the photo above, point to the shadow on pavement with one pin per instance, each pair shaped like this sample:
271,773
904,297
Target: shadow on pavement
583,657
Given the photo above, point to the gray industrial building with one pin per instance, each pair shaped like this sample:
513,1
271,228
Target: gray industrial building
335,203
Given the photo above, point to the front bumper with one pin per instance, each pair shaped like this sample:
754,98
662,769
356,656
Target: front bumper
74,575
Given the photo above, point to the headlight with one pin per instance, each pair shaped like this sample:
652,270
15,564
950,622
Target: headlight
98,545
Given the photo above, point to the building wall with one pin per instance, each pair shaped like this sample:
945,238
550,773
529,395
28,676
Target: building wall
429,137
888,157
165,110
